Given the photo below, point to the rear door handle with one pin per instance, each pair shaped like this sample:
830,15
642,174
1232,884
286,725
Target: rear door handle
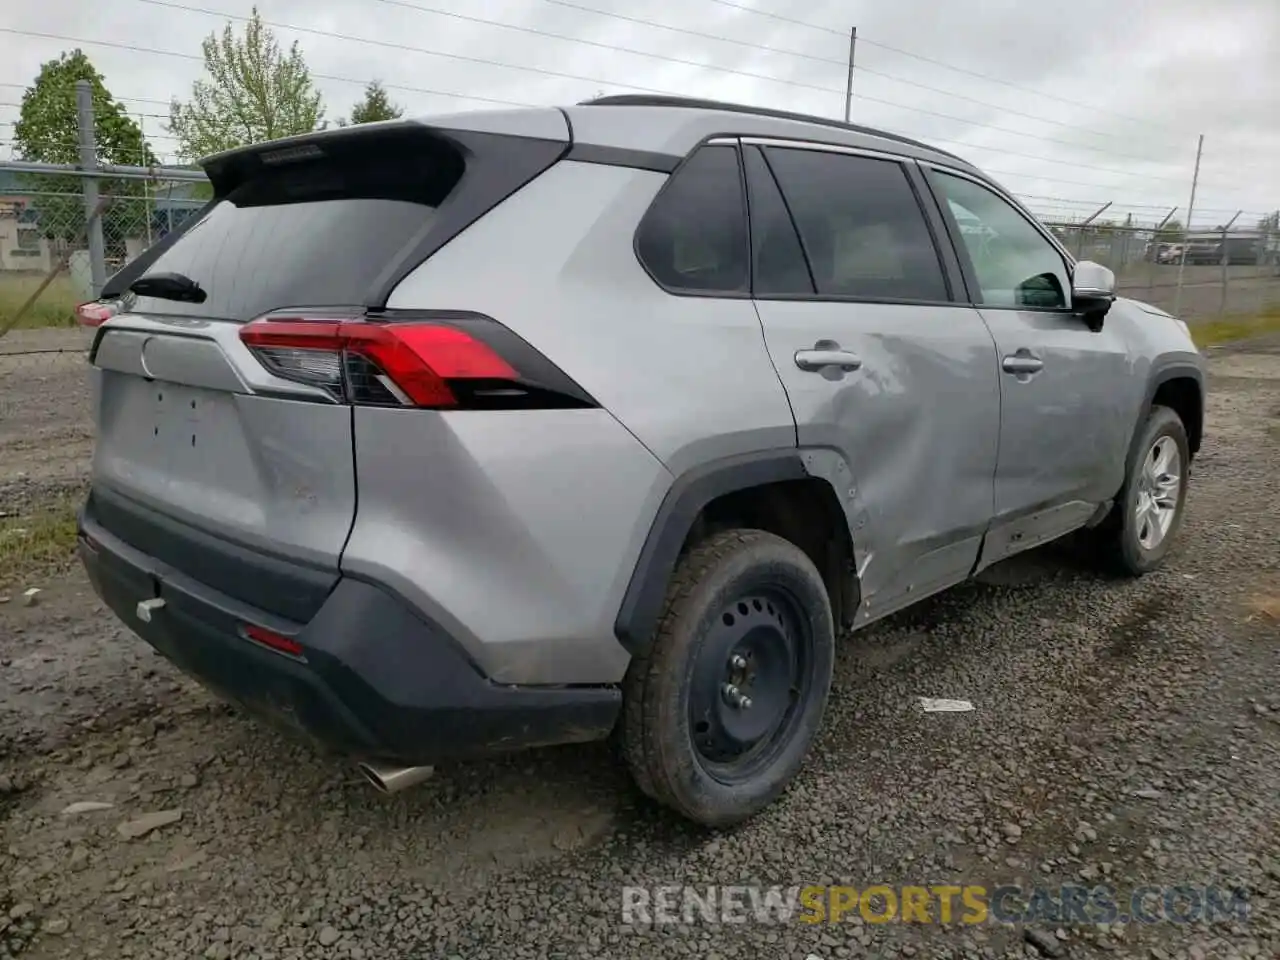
820,358
1022,362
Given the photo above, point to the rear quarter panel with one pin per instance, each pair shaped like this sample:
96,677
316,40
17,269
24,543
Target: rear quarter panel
689,376
531,550
514,530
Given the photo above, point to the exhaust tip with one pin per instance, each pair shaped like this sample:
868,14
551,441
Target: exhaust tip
371,775
393,779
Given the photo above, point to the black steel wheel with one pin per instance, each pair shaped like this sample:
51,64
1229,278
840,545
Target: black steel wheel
753,668
720,712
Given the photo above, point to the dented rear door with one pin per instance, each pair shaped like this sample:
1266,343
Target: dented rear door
892,381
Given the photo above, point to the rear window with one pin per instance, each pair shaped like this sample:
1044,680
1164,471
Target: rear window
317,232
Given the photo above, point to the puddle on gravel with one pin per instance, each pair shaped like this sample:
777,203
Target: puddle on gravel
1139,629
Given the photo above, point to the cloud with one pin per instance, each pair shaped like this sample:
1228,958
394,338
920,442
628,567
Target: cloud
1070,106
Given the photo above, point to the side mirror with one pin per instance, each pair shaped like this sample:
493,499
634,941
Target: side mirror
1093,290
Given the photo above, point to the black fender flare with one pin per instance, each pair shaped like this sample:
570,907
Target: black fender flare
646,592
1162,371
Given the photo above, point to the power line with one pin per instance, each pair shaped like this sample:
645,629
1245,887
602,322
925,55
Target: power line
165,103
696,64
505,102
171,4
1070,163
558,36
843,34
780,18
641,21
76,143
149,116
135,48
879,73
1010,84
391,45
744,73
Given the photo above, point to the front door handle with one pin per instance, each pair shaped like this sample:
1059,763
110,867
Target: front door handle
1023,363
820,358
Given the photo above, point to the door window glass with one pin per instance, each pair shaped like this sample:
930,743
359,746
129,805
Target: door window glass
1015,265
780,268
862,228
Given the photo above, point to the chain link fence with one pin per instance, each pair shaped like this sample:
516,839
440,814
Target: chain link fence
44,239
1196,274
55,253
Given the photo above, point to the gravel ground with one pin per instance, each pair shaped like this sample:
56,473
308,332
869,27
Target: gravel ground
1126,733
46,433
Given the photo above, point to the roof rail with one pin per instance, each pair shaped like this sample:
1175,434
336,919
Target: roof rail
694,103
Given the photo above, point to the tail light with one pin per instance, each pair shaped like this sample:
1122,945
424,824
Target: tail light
96,312
467,361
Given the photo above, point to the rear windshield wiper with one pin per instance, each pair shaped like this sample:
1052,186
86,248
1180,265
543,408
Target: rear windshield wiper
169,286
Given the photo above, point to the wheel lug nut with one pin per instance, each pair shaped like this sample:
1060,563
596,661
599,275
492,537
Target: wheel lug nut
735,697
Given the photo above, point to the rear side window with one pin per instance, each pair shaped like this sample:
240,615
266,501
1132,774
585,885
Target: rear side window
313,233
694,237
861,225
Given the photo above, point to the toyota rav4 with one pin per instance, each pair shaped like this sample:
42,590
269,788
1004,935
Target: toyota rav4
504,429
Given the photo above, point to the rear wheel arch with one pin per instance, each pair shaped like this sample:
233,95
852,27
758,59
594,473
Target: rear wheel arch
767,490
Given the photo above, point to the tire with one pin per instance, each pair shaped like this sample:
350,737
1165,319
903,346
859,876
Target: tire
749,610
1128,541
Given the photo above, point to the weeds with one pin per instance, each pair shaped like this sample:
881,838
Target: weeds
38,541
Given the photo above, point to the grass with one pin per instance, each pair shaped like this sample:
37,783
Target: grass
38,542
56,306
1232,329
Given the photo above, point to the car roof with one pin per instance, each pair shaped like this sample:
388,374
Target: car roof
675,125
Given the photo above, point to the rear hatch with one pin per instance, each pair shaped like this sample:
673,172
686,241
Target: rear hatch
208,459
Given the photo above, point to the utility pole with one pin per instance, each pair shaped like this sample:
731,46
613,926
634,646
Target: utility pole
1191,212
848,89
89,163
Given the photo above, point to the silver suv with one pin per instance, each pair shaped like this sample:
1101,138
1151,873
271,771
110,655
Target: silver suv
505,429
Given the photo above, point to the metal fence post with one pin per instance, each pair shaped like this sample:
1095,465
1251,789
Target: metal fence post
89,162
1266,270
1226,271
1225,260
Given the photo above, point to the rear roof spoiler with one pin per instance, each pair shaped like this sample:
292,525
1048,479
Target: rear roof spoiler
230,168
497,165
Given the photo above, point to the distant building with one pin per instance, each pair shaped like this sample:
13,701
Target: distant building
139,221
21,246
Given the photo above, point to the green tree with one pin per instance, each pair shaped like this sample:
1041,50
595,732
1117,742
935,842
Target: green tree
375,106
253,92
48,131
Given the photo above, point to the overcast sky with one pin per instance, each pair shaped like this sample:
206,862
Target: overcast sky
1102,101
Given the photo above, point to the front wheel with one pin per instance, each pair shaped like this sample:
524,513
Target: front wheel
720,711
1148,513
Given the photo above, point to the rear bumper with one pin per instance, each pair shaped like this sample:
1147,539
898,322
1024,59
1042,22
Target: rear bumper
375,680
